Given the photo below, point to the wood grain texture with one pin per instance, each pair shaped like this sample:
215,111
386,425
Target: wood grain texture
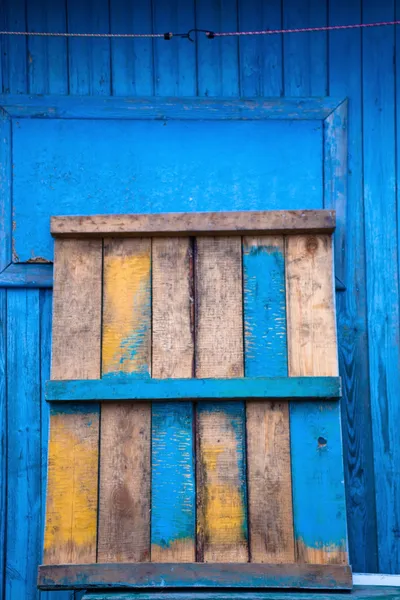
206,223
173,511
268,435
124,497
72,486
381,210
345,79
220,429
177,575
317,469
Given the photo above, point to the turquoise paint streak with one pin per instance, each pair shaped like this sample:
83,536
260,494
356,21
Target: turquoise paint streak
173,477
264,312
318,488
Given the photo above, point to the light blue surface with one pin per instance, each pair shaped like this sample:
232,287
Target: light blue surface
173,503
155,166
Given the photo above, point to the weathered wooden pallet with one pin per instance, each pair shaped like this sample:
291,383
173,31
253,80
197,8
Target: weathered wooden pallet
195,426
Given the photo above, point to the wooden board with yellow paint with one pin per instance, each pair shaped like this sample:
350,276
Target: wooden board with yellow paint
192,479
72,484
124,498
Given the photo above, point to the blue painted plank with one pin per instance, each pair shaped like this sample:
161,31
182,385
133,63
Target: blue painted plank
172,485
5,192
164,109
23,445
14,48
305,54
47,56
176,389
268,435
89,58
3,437
195,575
27,276
174,60
54,162
131,59
382,273
217,59
260,57
45,311
345,79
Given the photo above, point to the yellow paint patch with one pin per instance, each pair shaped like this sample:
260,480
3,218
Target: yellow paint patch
71,512
224,514
126,334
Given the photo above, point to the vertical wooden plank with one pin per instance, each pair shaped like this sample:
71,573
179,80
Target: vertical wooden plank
131,59
260,57
217,60
23,444
124,499
379,102
316,446
345,81
45,311
14,55
89,58
268,436
305,54
175,62
71,511
220,429
3,437
47,56
173,513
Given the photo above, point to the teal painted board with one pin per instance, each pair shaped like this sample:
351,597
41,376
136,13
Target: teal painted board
27,276
253,165
345,79
305,54
173,476
117,389
174,62
14,57
260,57
357,593
3,435
47,64
131,59
23,445
382,275
318,490
5,193
88,58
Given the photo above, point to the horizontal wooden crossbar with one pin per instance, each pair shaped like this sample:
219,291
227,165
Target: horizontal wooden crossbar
197,575
193,389
206,223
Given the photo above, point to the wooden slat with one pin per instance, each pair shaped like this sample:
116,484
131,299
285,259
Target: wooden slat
71,511
206,223
220,429
268,445
192,389
316,448
167,575
124,498
173,510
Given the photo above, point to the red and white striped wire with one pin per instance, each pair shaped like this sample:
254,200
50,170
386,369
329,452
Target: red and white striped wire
212,33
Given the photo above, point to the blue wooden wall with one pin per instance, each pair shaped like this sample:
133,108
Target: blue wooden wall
359,65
